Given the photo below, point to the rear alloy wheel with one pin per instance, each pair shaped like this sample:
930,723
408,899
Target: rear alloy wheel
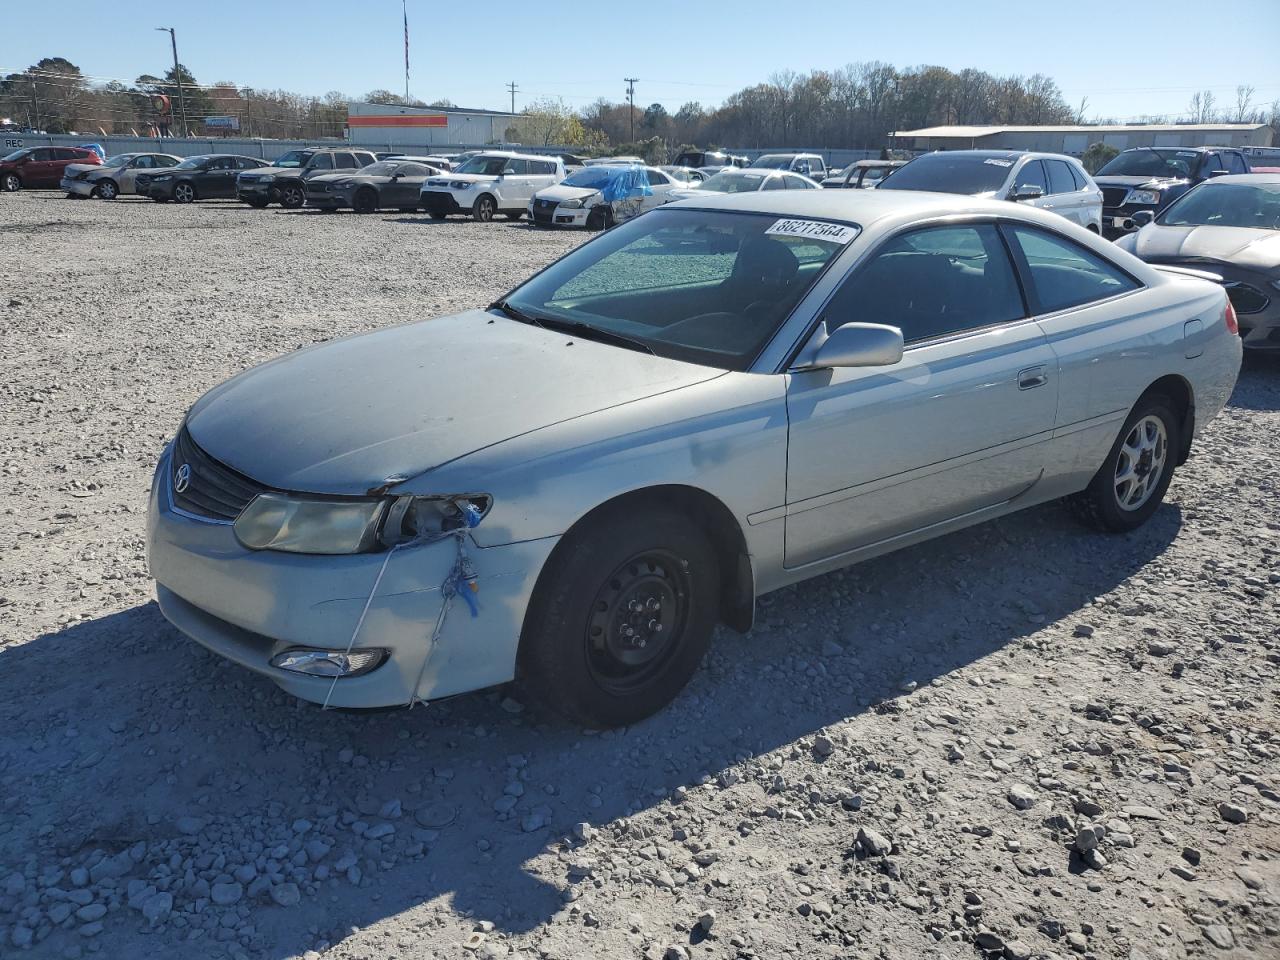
107,190
365,201
183,193
292,196
483,209
622,618
12,183
1131,483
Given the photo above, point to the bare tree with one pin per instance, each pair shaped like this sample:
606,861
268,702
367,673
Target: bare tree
1244,104
1201,107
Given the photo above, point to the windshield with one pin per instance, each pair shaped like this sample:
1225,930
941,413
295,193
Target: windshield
1226,205
701,286
593,178
734,182
191,163
294,158
951,173
16,155
773,161
1150,162
383,168
486,166
119,160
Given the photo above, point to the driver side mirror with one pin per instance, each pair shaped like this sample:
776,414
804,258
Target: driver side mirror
860,345
1143,217
1027,192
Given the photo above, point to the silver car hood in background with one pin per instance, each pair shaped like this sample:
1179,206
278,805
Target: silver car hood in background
344,417
1244,246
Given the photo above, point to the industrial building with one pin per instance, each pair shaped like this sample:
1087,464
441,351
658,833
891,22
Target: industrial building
389,127
1074,140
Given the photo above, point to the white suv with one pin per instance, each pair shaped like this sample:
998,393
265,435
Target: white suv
492,182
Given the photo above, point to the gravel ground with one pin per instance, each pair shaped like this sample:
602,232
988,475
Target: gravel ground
1024,740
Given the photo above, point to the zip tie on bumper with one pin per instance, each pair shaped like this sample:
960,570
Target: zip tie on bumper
461,579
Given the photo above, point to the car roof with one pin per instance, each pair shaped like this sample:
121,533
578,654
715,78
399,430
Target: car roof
863,206
511,154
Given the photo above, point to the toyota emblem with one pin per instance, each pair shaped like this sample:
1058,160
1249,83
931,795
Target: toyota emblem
182,479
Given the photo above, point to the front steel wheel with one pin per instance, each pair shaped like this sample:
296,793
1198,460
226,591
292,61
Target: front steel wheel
621,617
12,183
1131,483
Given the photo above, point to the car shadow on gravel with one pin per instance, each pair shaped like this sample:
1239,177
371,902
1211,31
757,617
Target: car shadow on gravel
114,730
1258,387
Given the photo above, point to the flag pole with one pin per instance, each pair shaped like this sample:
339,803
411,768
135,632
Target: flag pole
404,5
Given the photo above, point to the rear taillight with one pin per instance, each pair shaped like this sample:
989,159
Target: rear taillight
1229,318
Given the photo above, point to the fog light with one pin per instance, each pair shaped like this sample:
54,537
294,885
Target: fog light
329,663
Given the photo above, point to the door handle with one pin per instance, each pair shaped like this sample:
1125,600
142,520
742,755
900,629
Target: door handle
1032,377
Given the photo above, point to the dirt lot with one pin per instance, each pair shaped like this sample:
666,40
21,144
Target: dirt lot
1025,740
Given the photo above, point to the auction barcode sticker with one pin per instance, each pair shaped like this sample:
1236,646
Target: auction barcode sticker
814,230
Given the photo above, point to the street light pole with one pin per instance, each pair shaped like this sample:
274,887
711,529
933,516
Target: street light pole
177,76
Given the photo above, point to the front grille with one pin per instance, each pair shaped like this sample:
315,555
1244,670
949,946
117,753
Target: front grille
1247,299
1114,196
248,178
317,188
213,490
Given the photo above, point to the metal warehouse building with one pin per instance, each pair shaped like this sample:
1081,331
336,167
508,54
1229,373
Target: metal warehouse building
381,125
1075,140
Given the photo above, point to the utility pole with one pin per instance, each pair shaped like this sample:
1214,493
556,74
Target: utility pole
35,101
631,99
177,76
513,88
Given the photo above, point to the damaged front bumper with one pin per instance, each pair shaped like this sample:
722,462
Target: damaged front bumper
252,605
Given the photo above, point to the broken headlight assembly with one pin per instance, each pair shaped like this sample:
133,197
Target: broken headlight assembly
276,521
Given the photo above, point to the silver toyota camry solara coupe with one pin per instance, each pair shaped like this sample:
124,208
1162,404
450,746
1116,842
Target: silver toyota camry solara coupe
721,397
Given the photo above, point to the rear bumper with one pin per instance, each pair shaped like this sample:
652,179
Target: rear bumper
248,606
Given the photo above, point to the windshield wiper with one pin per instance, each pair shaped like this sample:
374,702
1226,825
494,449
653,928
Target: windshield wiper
514,314
595,333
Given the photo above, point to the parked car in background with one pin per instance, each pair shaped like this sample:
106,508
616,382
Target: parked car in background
1049,181
206,177
735,180
284,180
862,174
600,161
114,176
1230,227
808,164
600,196
1150,178
685,175
493,182
441,163
708,158
387,183
36,168
712,401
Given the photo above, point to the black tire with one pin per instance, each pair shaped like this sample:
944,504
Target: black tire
106,190
365,201
184,192
437,214
1152,421
292,196
408,209
574,656
12,183
515,215
484,208
257,203
601,218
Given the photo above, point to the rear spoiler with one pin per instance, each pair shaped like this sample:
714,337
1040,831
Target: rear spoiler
1187,272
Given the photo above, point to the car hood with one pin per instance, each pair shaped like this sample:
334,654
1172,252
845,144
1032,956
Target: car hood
560,193
692,193
1244,246
273,171
348,416
73,168
1146,183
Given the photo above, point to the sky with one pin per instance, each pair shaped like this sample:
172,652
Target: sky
1127,59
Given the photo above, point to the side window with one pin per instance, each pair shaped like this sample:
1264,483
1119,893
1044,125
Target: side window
1077,176
1065,275
1235,163
43,154
1031,175
246,163
364,159
321,161
657,178
164,161
517,168
65,153
143,163
223,163
1060,179
801,166
775,183
345,161
1209,163
933,283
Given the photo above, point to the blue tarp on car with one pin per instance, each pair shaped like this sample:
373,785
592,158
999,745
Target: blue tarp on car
614,181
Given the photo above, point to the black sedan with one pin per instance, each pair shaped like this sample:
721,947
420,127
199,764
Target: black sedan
387,183
208,177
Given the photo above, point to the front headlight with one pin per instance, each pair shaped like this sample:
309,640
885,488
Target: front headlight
266,177
274,521
161,178
1142,196
581,202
